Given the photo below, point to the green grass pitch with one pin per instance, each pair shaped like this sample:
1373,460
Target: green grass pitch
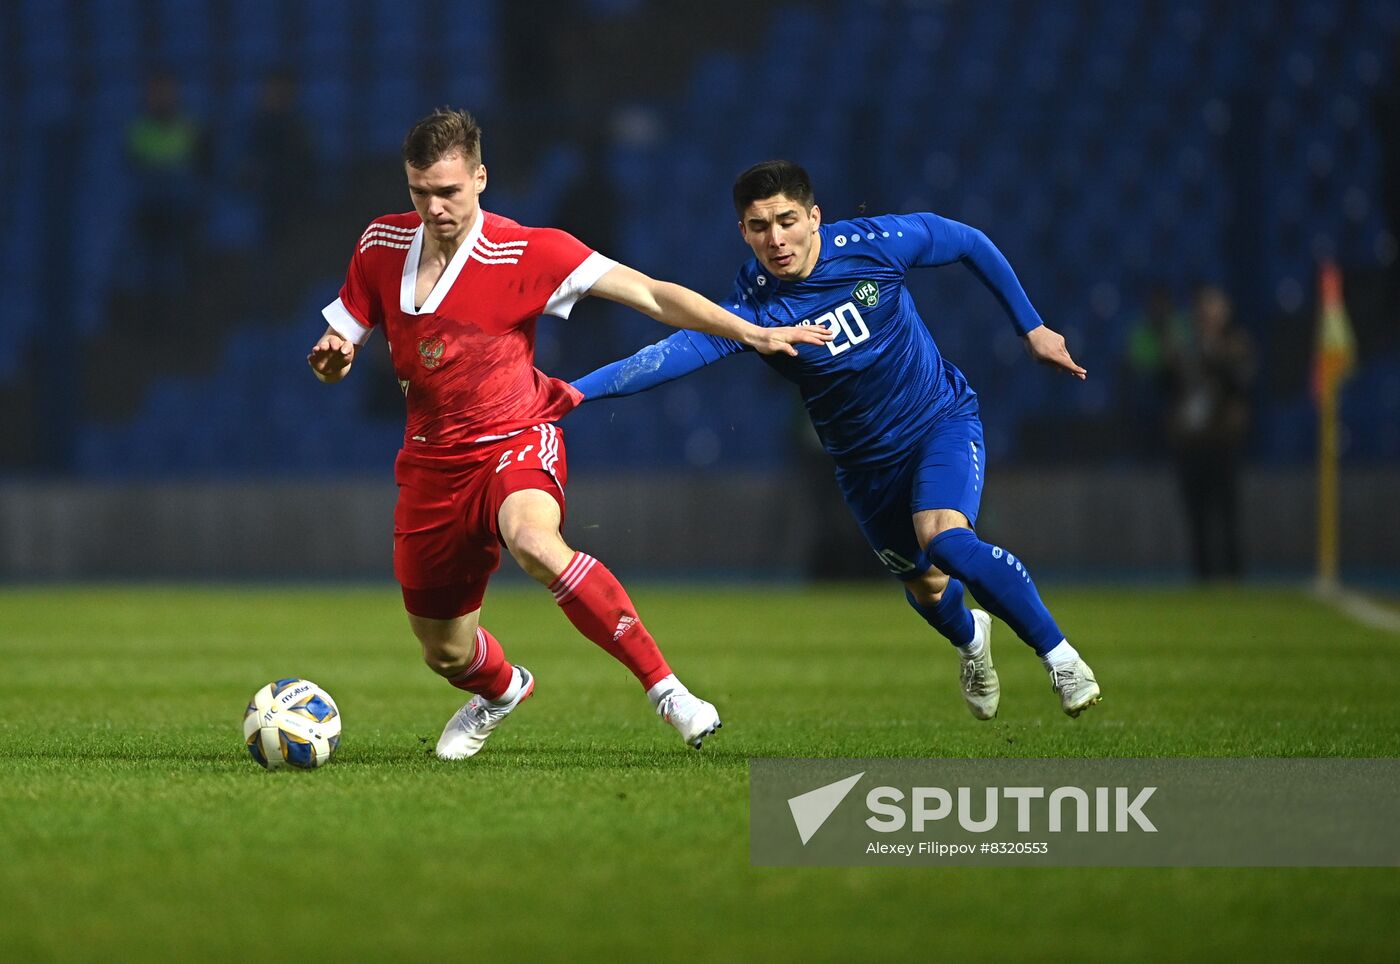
134,826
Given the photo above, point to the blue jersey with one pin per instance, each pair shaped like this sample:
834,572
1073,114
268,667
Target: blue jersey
876,388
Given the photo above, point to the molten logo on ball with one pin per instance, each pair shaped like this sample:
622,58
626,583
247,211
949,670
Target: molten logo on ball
292,722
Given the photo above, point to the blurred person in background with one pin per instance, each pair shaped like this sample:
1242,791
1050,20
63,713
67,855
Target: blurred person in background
1209,379
1154,337
281,161
899,419
457,291
164,148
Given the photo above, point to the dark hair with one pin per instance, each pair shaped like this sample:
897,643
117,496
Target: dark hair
443,133
770,179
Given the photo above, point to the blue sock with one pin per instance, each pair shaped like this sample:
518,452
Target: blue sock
949,615
1000,581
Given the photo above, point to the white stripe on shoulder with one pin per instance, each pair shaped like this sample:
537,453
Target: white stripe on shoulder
501,246
381,226
381,233
388,244
479,256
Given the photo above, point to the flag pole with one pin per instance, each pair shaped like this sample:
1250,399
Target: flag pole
1333,360
1328,540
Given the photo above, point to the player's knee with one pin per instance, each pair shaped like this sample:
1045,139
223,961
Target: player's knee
448,644
449,656
928,589
538,551
934,523
445,663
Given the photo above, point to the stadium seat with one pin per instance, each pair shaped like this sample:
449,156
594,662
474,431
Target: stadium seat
1087,141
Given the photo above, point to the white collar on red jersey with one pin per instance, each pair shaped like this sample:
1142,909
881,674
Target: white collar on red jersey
408,287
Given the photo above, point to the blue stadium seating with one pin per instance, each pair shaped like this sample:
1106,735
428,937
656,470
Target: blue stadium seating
1088,140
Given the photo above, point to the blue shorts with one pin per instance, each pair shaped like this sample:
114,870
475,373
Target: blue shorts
945,470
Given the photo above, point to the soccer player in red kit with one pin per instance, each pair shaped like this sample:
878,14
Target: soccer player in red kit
457,291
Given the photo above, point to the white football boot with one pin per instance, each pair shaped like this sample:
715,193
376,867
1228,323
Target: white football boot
1076,685
981,689
692,717
469,727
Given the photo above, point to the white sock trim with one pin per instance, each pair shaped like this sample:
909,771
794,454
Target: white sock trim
664,688
978,645
513,690
973,649
1061,654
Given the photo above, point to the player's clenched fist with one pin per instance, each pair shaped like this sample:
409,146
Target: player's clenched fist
331,357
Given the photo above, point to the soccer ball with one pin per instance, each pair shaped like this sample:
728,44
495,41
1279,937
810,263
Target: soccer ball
292,722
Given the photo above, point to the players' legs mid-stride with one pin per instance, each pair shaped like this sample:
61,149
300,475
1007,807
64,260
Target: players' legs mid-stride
591,597
954,556
938,487
461,651
939,599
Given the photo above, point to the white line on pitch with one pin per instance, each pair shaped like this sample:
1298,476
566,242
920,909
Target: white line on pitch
1357,607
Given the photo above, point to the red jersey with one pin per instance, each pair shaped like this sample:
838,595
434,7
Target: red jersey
465,358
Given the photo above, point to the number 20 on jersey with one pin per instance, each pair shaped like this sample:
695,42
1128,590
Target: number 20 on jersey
846,321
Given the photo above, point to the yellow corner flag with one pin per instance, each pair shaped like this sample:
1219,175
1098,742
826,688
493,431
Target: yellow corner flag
1334,358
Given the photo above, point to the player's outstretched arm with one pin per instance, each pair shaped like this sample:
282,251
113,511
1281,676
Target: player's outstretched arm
331,357
680,307
1049,347
665,361
955,241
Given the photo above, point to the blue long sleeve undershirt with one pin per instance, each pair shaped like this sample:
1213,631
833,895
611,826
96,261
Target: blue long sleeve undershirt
654,365
681,354
960,242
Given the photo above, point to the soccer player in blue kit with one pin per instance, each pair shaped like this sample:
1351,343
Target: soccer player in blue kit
900,420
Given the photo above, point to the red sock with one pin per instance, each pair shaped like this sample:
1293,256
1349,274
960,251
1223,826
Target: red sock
489,674
597,605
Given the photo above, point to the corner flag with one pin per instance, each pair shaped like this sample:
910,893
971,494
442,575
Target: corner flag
1336,345
1334,358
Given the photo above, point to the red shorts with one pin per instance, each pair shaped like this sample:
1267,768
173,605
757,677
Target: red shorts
446,539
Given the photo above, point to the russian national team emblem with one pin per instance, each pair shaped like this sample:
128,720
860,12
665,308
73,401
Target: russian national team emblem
430,351
867,293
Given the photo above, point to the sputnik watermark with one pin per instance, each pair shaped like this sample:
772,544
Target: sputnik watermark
1076,812
810,809
1111,808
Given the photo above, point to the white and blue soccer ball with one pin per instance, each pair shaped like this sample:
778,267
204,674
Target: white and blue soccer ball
292,722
